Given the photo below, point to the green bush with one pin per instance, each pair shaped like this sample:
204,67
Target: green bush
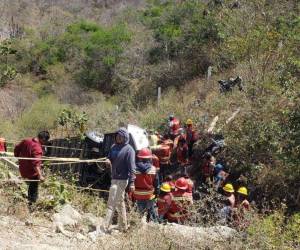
93,50
89,52
276,231
182,31
41,115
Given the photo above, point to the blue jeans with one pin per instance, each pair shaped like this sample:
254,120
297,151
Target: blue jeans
225,214
149,207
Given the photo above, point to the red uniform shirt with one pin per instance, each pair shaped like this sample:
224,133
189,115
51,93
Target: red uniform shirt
144,184
29,148
174,126
2,145
208,168
164,204
178,211
163,152
191,135
182,154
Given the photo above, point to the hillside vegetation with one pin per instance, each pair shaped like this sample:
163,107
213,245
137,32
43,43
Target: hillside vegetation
108,59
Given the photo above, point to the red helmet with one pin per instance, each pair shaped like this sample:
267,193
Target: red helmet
181,183
145,153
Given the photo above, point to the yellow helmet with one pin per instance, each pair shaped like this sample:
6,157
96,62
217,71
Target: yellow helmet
189,122
165,187
243,190
228,188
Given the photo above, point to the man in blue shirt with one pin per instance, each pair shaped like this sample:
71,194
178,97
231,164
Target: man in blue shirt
121,158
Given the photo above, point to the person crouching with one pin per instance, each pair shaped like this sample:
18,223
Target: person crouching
229,204
181,202
164,201
146,184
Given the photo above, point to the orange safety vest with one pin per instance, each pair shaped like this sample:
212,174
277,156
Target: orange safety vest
164,203
163,153
144,184
178,211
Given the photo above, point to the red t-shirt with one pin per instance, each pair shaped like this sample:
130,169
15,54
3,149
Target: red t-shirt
2,145
191,135
29,148
164,203
182,154
174,126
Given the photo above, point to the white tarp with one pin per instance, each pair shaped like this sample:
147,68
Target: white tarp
139,136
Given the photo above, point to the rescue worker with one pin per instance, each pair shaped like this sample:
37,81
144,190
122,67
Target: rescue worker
226,211
182,156
146,184
121,159
181,133
169,143
31,169
207,169
190,189
3,147
164,201
219,176
174,126
191,136
242,205
163,152
241,201
181,201
170,181
155,162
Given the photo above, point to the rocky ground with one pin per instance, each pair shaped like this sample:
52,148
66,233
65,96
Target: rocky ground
34,234
69,230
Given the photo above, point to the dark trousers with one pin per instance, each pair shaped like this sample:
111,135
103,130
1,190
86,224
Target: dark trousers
33,191
149,207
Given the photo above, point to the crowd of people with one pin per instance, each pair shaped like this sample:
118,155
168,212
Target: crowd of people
158,179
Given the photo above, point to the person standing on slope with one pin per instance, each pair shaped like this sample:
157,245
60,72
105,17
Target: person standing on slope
31,169
174,126
146,184
121,158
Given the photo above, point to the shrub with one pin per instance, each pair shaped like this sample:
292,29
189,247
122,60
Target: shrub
41,115
184,36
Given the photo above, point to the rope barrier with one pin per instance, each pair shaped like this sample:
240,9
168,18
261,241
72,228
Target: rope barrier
76,160
45,146
78,149
60,163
